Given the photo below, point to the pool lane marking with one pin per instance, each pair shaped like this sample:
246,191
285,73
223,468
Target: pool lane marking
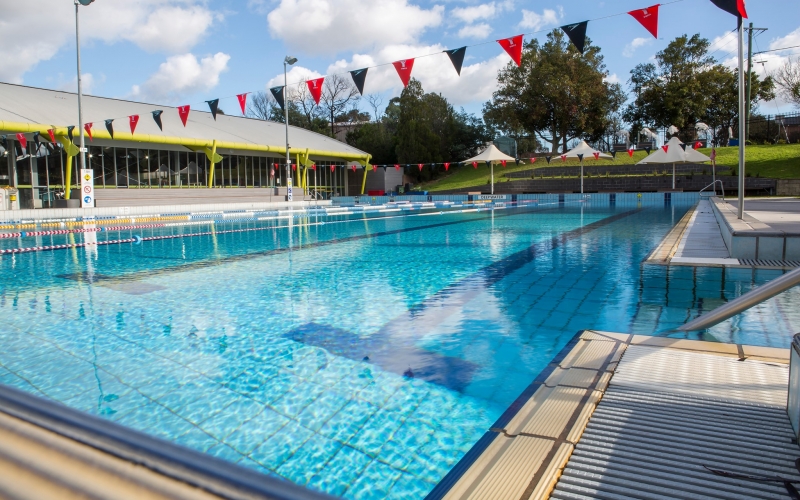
394,346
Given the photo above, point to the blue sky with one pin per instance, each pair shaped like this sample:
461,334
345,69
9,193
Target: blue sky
188,51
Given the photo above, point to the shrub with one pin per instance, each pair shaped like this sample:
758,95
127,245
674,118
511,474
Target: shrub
767,143
781,141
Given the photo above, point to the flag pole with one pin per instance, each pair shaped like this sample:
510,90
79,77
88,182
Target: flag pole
740,213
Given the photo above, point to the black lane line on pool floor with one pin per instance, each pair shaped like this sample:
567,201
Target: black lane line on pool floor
394,347
137,275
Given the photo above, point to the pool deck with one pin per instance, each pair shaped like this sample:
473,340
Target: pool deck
768,236
630,416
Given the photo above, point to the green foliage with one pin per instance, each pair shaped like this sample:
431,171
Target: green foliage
556,93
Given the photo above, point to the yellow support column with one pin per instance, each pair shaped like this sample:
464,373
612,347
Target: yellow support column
364,180
69,178
211,163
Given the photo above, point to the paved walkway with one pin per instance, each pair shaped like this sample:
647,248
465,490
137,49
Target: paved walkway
781,214
702,241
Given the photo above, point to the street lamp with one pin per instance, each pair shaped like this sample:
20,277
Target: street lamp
80,110
288,61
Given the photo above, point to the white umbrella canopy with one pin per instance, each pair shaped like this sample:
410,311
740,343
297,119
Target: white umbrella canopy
493,156
584,151
675,153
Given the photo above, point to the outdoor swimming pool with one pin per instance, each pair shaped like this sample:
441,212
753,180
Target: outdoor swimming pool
366,361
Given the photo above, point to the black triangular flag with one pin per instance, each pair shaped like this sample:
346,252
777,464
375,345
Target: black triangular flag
69,131
110,127
683,146
548,159
488,164
384,167
359,77
614,154
457,58
277,93
3,142
157,118
580,157
36,139
516,160
734,7
647,150
213,104
577,34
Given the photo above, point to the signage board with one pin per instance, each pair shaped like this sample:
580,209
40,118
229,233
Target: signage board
492,197
87,188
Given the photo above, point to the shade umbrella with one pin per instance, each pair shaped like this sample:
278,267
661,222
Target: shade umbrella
582,151
676,152
492,155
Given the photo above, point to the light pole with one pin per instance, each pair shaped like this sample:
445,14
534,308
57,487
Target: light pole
80,93
287,61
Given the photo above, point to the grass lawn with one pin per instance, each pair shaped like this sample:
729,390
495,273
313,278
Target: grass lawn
780,161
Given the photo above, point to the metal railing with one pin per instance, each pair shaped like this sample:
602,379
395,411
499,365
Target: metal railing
746,301
721,185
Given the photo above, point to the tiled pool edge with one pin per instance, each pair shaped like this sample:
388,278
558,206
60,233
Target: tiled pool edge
172,461
479,473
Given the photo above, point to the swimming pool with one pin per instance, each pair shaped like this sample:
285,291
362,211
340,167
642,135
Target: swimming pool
369,358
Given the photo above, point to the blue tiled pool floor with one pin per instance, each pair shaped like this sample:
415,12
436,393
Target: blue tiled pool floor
366,366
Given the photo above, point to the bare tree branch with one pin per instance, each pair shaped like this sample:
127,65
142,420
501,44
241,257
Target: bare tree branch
788,80
337,94
375,101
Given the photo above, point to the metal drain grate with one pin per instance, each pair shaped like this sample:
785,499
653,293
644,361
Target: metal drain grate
769,263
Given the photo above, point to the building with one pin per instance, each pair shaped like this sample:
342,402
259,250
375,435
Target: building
151,166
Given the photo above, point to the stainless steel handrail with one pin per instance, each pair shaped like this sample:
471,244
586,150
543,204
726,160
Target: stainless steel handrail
746,301
721,186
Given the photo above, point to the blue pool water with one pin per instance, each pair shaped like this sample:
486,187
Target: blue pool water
369,358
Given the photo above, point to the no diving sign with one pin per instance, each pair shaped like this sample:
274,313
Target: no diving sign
87,188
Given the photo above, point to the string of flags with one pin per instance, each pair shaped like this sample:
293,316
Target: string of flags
513,46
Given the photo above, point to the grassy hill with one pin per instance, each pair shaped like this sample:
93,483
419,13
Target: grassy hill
781,161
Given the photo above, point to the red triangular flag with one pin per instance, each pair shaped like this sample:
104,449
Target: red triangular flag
648,18
513,46
446,167
333,167
313,166
133,119
698,145
315,87
275,165
503,162
403,68
630,152
665,147
596,155
474,164
374,168
184,112
533,160
563,157
353,166
420,167
52,133
242,100
294,166
88,128
22,140
397,167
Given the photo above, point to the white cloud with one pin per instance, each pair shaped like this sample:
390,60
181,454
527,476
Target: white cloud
635,44
331,26
534,21
612,78
790,40
480,12
295,75
88,83
35,30
479,31
181,75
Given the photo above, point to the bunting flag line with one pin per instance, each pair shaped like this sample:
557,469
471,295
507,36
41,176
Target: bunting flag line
277,93
110,127
242,101
648,18
630,152
548,158
333,167
457,57
359,77
88,128
353,167
183,111
474,164
313,166
665,147
503,162
734,7
374,168
213,105
157,118
36,139
533,160
403,68
563,157
69,131
133,120
577,34
420,167
580,156
52,133
698,145
294,166
315,87
23,141
446,167
513,46
596,155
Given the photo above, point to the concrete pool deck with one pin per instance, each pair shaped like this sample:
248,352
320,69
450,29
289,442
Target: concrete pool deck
768,236
623,416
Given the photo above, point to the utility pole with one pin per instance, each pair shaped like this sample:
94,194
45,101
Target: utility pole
750,75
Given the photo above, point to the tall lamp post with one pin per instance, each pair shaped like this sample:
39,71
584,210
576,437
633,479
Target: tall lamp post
288,61
80,93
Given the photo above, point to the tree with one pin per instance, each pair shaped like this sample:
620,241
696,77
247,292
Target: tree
556,93
788,80
338,94
721,98
263,106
